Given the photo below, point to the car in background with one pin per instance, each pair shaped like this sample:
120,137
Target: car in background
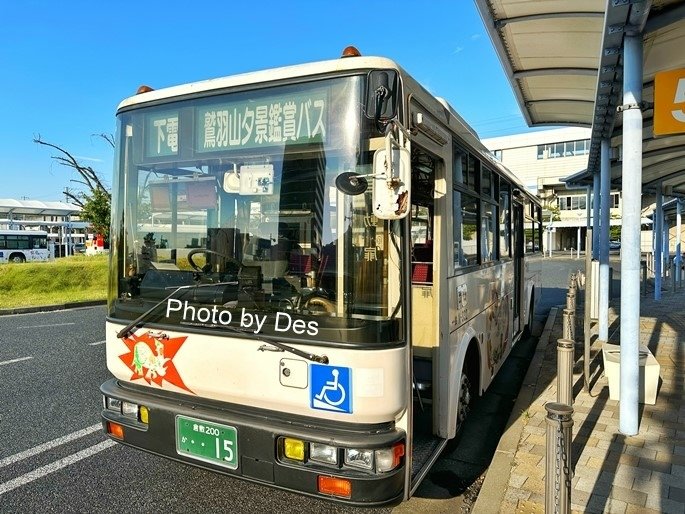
614,245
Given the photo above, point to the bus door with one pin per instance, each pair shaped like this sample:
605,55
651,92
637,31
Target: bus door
518,248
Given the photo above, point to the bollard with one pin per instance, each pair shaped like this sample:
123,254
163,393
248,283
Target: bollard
569,325
565,371
558,458
571,301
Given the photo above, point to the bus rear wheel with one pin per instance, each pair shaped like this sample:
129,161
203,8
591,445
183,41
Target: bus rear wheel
17,257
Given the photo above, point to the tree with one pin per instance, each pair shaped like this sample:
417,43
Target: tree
95,201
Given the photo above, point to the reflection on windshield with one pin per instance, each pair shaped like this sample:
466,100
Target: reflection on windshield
263,234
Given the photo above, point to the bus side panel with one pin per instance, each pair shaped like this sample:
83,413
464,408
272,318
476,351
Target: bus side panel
479,310
235,371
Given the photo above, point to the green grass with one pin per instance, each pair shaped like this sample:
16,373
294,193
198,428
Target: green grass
71,279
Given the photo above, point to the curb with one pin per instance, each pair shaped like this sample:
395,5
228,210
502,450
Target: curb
494,486
49,308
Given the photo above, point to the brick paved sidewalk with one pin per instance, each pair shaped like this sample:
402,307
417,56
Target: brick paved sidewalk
612,472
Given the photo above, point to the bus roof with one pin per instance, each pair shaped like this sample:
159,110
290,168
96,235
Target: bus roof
261,77
314,69
8,232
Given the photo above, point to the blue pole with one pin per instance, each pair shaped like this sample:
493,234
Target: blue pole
605,197
630,234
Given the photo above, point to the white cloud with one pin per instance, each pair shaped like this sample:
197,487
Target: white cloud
91,159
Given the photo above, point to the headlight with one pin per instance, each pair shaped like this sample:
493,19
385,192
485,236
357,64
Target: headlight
129,409
113,404
323,453
359,458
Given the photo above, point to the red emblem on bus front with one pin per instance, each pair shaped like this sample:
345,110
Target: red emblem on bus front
150,357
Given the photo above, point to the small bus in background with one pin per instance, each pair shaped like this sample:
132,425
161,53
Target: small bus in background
23,245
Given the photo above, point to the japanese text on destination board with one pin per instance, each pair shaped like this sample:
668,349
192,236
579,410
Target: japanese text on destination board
294,118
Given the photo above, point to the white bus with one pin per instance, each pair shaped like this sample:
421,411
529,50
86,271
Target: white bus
23,245
357,279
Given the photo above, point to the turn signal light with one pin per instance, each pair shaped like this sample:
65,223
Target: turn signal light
115,430
335,486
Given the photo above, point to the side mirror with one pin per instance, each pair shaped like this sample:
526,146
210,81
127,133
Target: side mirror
381,95
391,183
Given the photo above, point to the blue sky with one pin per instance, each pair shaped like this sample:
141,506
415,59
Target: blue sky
65,66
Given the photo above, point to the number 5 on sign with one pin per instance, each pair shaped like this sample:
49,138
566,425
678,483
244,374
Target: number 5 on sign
669,102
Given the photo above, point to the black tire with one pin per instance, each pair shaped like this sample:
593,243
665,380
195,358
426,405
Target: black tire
464,406
465,403
17,258
528,328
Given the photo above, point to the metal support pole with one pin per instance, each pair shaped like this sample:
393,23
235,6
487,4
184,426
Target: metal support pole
578,252
605,196
658,242
595,215
678,254
630,234
558,458
588,311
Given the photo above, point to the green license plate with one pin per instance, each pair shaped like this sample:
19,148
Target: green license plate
209,442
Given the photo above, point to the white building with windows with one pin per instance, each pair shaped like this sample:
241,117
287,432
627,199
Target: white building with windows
541,160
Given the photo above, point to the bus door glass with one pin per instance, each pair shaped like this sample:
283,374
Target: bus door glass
518,261
422,237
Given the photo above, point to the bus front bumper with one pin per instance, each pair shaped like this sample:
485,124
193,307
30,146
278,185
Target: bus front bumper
257,451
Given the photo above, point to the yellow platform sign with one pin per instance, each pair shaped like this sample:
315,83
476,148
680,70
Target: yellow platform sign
669,102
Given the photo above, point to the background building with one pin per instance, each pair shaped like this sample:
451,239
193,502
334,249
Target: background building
61,221
542,160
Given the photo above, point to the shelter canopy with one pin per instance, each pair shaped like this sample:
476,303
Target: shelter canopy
564,61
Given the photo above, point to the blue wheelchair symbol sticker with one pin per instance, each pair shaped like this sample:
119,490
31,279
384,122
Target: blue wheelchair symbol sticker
331,388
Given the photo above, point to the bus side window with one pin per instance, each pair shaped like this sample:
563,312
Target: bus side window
422,264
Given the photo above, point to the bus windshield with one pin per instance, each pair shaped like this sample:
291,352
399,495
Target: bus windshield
227,205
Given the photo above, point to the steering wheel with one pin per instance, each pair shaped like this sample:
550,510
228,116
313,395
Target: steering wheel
317,304
206,251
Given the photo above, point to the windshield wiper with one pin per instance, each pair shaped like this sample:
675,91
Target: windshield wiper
321,359
139,321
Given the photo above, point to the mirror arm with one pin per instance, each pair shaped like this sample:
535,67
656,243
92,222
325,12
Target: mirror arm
390,142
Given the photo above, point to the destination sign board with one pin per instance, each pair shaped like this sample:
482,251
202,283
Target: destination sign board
267,121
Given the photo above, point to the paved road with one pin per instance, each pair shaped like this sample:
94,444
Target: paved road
54,458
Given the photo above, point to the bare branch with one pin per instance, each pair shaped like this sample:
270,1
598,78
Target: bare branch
107,137
74,198
89,175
